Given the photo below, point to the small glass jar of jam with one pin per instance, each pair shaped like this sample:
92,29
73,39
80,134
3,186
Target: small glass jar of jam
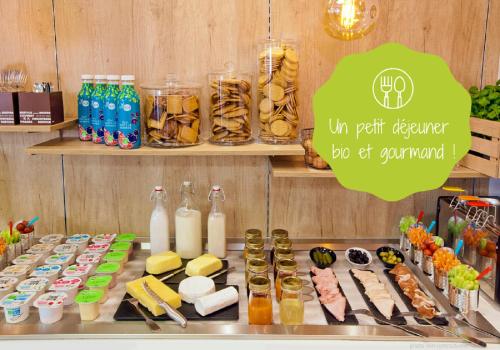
285,268
253,243
280,254
260,305
292,302
256,267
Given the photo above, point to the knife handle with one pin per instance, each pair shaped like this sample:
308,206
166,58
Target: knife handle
175,315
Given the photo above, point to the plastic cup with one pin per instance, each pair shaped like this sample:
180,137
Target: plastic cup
50,272
101,283
126,237
50,306
68,285
37,285
111,269
18,271
80,240
17,306
45,249
60,259
66,248
100,248
117,257
88,303
122,247
54,239
81,271
104,238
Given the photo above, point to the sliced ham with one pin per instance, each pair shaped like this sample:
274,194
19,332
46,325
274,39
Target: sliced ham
327,286
337,308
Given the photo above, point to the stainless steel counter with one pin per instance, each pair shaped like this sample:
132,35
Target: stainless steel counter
70,327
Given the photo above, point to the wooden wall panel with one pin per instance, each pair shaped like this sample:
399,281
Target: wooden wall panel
311,208
29,185
452,29
491,72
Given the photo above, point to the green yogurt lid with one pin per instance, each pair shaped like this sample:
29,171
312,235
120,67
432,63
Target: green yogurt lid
109,267
89,296
114,256
125,237
121,246
98,281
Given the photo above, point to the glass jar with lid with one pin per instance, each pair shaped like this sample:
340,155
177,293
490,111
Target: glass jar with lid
230,106
277,87
256,267
278,233
285,268
260,305
253,243
254,254
172,113
281,254
292,302
253,233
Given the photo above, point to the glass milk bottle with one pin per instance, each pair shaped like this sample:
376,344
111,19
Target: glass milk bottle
158,225
216,223
188,224
84,108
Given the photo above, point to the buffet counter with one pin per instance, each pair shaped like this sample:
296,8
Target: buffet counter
315,327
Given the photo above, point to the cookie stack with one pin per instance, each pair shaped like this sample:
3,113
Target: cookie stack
277,88
230,106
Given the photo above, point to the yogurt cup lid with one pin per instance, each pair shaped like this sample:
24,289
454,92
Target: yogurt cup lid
121,246
41,248
89,258
50,300
46,270
104,238
77,270
98,281
27,259
15,270
89,296
97,248
66,283
53,238
59,259
7,283
78,238
16,299
108,267
65,248
125,237
115,256
33,284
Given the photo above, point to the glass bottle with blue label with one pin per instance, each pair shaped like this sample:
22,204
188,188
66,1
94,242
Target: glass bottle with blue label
84,109
97,103
129,115
111,111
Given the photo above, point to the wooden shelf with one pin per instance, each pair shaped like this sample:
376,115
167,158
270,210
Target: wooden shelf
73,146
69,122
297,168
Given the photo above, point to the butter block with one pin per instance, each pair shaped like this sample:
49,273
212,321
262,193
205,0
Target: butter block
163,262
135,289
203,265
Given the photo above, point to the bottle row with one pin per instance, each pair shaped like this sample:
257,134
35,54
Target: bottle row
172,116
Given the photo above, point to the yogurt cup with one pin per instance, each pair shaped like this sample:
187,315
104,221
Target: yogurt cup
54,239
7,285
50,272
45,249
89,259
18,271
60,259
104,238
80,240
50,306
66,248
126,237
100,283
111,269
17,306
117,257
28,259
81,271
100,248
88,303
122,247
68,285
37,285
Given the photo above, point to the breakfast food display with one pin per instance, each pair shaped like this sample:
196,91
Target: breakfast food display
230,107
277,88
172,113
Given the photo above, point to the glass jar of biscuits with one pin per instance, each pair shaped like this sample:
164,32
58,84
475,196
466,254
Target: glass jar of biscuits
277,87
230,107
172,113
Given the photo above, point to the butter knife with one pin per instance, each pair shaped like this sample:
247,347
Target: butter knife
170,275
217,274
171,312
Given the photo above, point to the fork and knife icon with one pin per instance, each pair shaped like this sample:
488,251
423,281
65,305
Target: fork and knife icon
388,84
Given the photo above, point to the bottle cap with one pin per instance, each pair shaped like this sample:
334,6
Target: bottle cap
216,188
128,77
87,76
100,77
158,188
113,77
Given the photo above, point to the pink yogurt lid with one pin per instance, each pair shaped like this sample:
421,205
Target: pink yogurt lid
51,300
66,284
97,248
89,258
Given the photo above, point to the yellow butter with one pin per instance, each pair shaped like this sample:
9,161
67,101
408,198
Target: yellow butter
136,289
203,265
163,262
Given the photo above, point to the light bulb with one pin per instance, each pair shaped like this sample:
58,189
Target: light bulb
350,19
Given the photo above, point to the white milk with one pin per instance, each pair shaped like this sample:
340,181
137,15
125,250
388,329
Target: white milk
158,224
217,234
188,233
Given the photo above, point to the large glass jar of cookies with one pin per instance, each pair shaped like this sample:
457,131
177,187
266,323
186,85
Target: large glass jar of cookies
278,68
230,107
172,113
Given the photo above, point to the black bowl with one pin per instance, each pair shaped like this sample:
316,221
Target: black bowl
396,252
322,250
